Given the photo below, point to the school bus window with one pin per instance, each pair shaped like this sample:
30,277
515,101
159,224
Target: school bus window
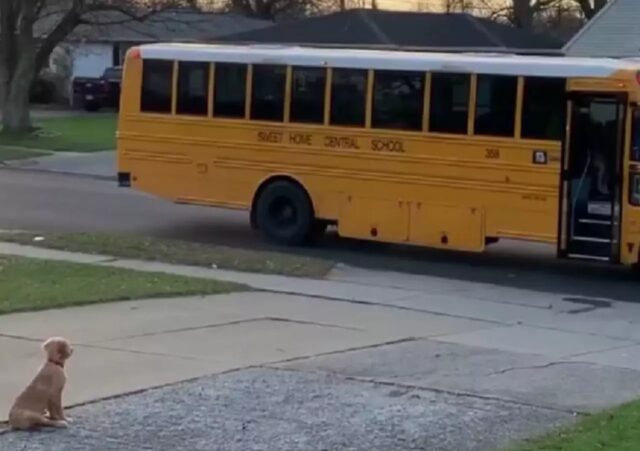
348,97
193,88
230,90
635,135
543,108
307,95
496,105
267,94
157,85
449,109
397,100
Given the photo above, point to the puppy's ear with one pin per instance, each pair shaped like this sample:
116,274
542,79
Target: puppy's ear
50,345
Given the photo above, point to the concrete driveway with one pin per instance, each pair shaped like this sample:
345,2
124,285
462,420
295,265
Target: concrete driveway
364,360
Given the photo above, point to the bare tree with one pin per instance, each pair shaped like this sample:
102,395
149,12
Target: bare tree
456,6
275,9
29,32
520,13
590,8
526,14
446,6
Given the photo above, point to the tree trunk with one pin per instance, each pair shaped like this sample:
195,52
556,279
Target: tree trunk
15,109
7,34
523,14
17,78
15,114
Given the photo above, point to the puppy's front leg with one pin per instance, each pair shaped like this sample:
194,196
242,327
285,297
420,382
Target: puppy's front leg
55,407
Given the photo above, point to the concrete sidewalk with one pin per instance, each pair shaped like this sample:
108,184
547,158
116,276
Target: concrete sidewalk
598,317
92,164
525,359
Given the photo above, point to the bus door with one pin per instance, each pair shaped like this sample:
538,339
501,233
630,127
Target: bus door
591,177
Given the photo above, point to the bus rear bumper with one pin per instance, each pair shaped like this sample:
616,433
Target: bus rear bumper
124,179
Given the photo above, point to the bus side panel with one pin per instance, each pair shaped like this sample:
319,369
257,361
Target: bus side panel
454,226
374,218
221,163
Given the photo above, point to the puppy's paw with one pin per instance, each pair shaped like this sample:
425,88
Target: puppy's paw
61,424
68,420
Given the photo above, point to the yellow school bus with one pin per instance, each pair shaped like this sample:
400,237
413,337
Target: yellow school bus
451,151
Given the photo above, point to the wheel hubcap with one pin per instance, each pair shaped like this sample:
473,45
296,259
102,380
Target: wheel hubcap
283,213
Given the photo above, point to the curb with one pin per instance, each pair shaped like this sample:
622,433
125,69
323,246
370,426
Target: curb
58,172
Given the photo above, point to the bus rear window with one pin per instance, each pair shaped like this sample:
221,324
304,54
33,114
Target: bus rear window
157,85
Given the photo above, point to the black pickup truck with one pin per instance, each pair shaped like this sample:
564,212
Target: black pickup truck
95,93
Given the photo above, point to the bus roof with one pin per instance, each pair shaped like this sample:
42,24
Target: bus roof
536,66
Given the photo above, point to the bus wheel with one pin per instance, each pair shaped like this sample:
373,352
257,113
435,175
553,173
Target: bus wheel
284,213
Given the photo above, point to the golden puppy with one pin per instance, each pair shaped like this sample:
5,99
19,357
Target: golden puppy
44,393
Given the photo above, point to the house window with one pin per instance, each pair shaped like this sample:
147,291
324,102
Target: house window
307,95
348,97
193,88
496,105
449,109
157,84
397,100
267,94
544,108
230,90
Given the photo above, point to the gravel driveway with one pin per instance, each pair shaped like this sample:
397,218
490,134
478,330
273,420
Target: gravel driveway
268,409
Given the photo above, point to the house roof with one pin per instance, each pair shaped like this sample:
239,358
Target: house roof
184,25
613,32
406,30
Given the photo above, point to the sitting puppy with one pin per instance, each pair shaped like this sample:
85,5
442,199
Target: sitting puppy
44,393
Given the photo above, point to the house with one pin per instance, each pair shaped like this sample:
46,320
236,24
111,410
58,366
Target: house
92,48
613,32
369,28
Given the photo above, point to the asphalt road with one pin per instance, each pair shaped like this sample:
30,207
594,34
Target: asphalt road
44,201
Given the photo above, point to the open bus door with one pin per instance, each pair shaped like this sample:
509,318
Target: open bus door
591,177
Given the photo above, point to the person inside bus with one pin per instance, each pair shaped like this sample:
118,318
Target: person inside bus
600,162
635,136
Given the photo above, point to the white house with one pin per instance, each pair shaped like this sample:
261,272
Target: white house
613,32
90,49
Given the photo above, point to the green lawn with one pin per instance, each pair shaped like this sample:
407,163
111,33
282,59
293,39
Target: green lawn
614,430
82,133
32,284
178,252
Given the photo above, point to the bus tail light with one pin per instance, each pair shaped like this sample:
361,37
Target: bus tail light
135,54
634,191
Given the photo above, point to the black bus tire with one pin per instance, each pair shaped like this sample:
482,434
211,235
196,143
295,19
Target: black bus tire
284,213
